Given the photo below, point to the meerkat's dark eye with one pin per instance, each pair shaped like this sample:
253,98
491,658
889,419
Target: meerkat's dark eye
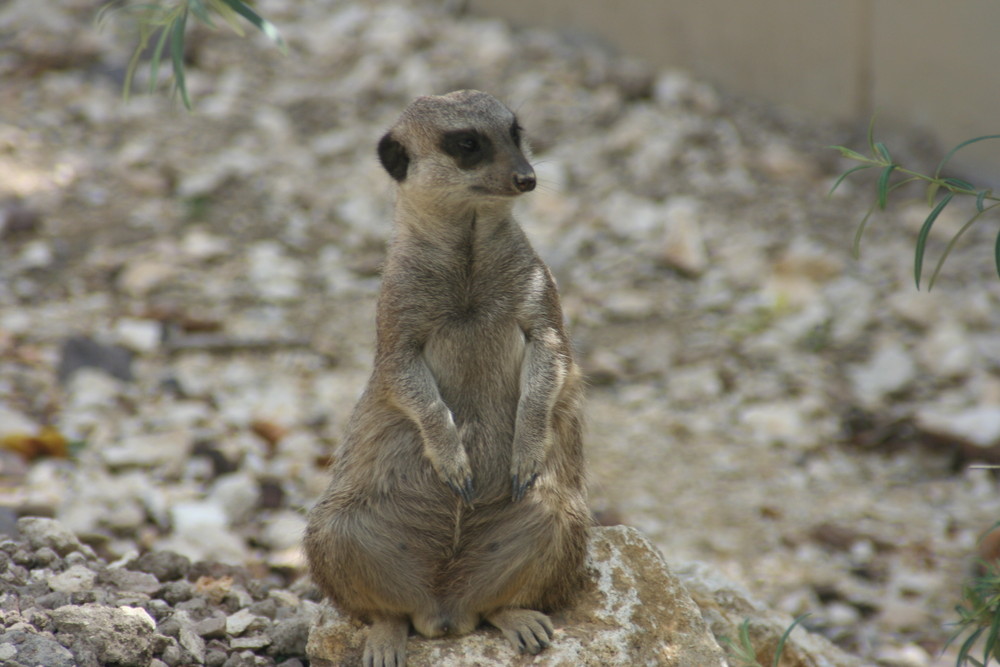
515,133
469,147
468,144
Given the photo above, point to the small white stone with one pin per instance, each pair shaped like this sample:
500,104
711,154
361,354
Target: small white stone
236,495
684,244
168,448
141,275
238,623
8,651
36,255
947,351
13,422
889,370
284,530
89,388
138,335
775,422
979,425
274,274
199,244
76,579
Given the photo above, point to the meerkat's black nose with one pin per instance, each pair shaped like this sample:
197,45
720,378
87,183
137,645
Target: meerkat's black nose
524,181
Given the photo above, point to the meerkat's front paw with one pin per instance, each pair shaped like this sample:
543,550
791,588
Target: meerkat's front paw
524,472
455,471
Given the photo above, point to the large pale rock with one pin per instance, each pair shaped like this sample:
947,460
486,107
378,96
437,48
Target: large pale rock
633,611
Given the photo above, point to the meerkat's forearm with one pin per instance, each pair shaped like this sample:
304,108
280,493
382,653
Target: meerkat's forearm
416,394
543,372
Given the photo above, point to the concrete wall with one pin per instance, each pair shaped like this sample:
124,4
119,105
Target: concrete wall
928,64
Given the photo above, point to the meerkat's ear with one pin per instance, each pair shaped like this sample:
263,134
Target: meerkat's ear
393,156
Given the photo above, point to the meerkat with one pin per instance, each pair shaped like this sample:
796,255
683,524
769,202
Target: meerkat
457,495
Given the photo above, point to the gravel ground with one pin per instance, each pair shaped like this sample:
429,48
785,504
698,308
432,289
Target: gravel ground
186,319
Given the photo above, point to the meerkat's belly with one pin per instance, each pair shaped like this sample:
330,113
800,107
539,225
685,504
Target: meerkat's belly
477,366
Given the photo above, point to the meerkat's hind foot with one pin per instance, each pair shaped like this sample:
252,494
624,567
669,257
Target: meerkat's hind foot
386,643
528,630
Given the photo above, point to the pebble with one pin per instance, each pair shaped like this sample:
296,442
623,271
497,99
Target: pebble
890,369
978,425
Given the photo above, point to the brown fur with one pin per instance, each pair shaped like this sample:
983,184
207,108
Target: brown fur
458,494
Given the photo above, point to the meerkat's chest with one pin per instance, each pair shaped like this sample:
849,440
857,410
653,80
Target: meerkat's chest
477,356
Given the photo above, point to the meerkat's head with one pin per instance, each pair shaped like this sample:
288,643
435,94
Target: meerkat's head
464,144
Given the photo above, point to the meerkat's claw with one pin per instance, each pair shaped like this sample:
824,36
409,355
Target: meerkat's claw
465,492
518,489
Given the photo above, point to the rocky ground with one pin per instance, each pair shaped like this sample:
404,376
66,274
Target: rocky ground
186,318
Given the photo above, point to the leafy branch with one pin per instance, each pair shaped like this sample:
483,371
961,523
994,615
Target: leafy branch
166,23
979,613
893,176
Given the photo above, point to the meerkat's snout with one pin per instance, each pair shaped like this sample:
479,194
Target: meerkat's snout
525,181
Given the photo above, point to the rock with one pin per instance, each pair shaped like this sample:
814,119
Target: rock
14,423
131,581
979,426
19,647
142,275
283,530
725,606
201,531
889,370
684,244
169,448
275,275
73,580
243,621
947,351
632,611
237,495
42,532
164,565
290,636
83,352
114,635
138,335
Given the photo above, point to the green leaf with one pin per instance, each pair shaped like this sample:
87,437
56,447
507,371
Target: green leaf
991,637
981,197
871,135
846,174
963,653
996,254
262,24
848,153
197,8
925,230
948,248
883,186
154,62
856,246
781,642
951,153
932,190
883,152
177,54
959,184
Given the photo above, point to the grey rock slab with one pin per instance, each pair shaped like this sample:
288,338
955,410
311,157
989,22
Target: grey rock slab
26,648
113,635
42,532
